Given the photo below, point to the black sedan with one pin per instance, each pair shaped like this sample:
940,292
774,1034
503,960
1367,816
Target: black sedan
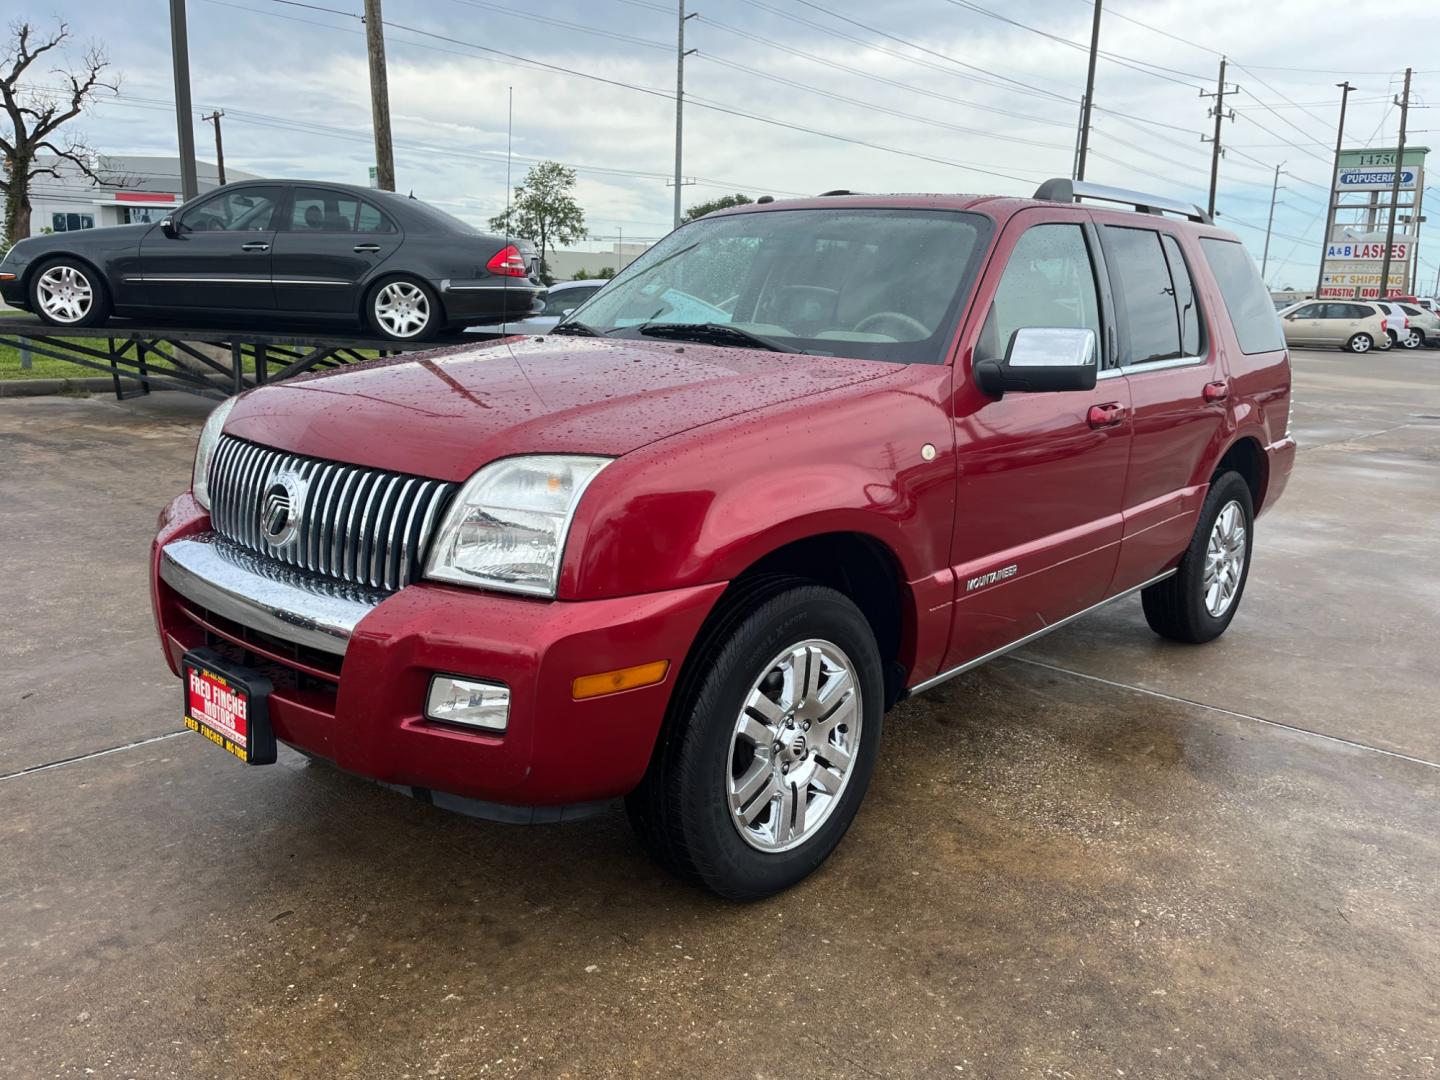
276,249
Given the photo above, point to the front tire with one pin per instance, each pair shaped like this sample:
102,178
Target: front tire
770,746
404,309
1197,602
1360,343
68,292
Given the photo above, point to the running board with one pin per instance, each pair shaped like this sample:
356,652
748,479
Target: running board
971,664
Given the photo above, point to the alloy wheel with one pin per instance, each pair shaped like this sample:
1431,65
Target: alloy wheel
793,746
402,309
1360,344
65,294
1224,559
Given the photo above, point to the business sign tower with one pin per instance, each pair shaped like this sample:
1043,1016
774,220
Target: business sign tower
1355,234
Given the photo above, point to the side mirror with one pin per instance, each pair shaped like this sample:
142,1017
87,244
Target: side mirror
1041,358
169,228
567,311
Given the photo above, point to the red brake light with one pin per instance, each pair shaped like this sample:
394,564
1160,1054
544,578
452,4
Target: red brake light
1384,325
508,262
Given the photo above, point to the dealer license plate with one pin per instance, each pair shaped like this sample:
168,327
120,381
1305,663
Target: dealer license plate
228,704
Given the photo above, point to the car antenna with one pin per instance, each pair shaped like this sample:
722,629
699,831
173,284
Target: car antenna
412,193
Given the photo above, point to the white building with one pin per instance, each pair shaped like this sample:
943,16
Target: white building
565,265
136,190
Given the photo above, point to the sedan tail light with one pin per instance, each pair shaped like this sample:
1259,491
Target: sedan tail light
508,262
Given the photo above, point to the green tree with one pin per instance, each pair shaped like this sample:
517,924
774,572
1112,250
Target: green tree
724,202
36,113
605,273
544,210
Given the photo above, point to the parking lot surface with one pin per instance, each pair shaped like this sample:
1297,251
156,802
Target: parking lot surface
1106,855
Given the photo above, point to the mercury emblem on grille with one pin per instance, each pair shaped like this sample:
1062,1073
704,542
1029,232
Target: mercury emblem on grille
281,506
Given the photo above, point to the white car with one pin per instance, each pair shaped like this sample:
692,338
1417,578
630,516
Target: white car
1425,321
563,298
1397,325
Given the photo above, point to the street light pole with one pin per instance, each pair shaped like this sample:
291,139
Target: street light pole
1345,89
184,121
1270,222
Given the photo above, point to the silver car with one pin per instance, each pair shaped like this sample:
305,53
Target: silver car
1356,325
563,298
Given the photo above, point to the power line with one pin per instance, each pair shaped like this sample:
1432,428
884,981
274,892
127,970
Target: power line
979,132
1118,58
837,66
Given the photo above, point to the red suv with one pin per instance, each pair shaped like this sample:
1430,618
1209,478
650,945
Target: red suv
800,460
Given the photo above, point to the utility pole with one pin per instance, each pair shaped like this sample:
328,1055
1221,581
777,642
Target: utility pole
1404,104
1089,97
379,97
214,118
1219,113
1345,89
680,54
1419,211
1079,127
184,124
1270,221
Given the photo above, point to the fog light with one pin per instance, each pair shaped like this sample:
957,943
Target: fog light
468,703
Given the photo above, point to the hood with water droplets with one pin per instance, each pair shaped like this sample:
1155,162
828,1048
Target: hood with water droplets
447,412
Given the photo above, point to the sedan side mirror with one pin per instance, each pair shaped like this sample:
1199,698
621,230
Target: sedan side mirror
1041,358
169,228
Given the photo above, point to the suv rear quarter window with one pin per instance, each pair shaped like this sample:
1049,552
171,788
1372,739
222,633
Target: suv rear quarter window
1158,306
1246,299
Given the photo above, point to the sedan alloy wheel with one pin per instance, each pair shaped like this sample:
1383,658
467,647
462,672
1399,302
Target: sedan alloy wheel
402,309
65,294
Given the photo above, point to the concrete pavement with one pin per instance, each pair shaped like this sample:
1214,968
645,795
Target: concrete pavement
1104,856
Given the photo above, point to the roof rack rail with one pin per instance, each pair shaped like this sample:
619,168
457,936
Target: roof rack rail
1064,190
838,191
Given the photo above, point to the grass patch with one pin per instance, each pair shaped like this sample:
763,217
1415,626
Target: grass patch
46,367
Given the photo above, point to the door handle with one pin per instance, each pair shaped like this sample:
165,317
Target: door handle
372,248
1107,415
255,245
1216,391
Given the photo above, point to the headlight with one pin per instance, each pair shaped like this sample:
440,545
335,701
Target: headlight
209,440
506,528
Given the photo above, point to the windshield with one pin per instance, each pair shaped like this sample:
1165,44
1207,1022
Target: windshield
867,283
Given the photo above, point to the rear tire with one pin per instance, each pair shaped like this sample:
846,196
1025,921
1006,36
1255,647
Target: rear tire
1360,343
1414,339
763,765
1197,602
68,292
404,309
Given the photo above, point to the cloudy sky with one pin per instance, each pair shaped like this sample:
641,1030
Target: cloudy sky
787,97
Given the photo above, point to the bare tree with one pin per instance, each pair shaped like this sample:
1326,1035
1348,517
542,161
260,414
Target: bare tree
31,146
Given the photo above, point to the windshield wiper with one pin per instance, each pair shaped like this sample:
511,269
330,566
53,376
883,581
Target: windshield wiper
712,333
579,329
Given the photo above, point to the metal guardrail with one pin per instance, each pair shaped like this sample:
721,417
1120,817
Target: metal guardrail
146,355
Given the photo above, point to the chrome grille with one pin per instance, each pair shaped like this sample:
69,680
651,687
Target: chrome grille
365,526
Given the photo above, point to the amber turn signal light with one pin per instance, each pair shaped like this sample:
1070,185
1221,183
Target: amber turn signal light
612,682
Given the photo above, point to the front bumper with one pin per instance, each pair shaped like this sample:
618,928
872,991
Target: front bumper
351,669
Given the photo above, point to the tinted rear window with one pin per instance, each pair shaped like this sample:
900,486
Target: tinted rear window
1246,299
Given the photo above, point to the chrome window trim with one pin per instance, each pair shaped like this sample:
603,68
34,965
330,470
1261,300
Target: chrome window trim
263,595
1158,365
